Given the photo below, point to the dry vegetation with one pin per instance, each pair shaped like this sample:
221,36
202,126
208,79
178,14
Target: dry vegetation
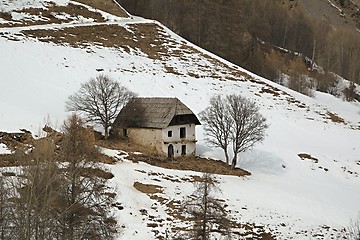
20,143
182,163
56,14
43,199
108,6
262,33
147,188
305,156
335,118
176,211
145,38
51,15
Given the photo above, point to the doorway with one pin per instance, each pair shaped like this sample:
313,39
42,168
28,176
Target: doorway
170,151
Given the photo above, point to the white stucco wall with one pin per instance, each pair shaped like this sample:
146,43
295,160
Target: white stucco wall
190,133
148,137
177,142
158,140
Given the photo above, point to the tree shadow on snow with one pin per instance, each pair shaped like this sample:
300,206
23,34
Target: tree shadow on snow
261,162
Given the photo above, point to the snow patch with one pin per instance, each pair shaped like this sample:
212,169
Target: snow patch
4,149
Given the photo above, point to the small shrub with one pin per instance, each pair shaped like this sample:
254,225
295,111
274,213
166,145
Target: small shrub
327,83
350,94
302,84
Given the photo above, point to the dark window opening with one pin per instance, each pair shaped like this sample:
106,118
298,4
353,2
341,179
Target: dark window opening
169,133
125,133
182,132
183,149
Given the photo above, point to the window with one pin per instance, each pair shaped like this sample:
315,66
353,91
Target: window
182,132
183,149
169,133
125,133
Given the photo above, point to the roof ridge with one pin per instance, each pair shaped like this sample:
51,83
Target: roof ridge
151,112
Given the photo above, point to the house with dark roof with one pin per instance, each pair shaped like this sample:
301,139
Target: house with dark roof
164,124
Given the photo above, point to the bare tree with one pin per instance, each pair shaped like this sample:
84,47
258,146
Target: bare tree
38,189
302,84
233,120
248,125
32,193
84,206
5,210
100,100
207,212
217,124
61,194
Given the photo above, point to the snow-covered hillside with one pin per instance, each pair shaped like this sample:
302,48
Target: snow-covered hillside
42,63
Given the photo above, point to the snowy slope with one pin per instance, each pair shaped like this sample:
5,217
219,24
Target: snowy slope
289,196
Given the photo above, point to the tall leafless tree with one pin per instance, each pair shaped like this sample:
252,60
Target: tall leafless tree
100,100
248,125
32,193
233,120
276,23
61,194
217,124
5,210
207,212
84,205
38,190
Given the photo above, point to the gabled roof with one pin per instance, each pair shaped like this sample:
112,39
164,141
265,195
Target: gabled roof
154,113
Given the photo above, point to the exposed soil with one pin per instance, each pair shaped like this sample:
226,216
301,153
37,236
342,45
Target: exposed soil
175,210
192,163
307,156
147,188
145,38
335,118
108,6
74,11
49,15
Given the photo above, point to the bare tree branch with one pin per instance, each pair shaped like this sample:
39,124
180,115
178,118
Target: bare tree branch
233,120
208,213
217,124
63,199
100,100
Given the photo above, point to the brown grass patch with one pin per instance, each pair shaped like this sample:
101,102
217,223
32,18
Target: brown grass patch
145,37
172,70
108,6
147,188
48,15
270,90
335,118
149,38
97,172
198,164
305,156
107,159
73,10
191,163
14,160
6,16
